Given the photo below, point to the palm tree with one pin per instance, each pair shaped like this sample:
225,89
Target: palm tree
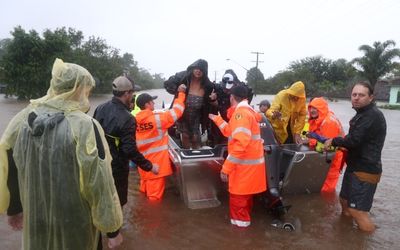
377,60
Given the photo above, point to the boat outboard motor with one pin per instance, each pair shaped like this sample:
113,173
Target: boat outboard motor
273,151
272,155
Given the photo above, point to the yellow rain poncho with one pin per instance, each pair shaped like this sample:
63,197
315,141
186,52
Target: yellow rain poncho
64,166
295,112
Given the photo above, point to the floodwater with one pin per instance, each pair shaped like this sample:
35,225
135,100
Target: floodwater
171,225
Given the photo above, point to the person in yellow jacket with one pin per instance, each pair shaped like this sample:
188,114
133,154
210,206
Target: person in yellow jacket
134,107
152,140
288,112
244,165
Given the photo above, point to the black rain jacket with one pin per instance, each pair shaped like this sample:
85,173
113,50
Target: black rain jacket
120,127
184,77
365,140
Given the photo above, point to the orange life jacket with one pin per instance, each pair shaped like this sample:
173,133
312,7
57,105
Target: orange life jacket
328,126
152,136
245,164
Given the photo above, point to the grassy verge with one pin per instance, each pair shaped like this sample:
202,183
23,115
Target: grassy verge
390,106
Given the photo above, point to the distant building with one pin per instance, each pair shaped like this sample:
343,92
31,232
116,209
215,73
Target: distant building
2,88
394,95
388,90
381,90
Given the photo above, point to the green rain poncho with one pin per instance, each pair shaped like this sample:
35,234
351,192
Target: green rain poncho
64,166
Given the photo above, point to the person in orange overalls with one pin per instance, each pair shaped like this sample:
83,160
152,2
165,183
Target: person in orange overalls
323,122
244,165
152,140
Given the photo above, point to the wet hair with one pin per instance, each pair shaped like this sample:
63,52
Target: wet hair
237,98
366,85
267,104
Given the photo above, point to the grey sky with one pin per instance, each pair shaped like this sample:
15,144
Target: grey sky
166,36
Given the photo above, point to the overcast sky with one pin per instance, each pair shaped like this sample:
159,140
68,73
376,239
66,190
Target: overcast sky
166,36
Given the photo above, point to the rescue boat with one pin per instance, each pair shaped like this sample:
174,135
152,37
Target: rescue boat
290,168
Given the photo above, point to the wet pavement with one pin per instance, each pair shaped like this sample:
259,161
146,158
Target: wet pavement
171,225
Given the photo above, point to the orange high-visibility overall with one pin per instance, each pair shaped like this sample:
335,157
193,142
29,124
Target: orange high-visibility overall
244,164
152,142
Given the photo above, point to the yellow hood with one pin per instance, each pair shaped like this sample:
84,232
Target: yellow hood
297,89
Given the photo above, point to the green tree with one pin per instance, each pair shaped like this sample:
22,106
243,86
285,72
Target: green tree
321,76
26,61
279,81
144,79
3,47
377,60
255,78
24,65
158,80
317,66
128,63
101,60
395,72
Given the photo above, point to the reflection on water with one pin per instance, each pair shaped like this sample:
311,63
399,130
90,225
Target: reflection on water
170,225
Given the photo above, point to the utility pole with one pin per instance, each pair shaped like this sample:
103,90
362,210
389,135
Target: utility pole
257,61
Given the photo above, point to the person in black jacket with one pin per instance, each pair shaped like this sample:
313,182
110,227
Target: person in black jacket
364,143
200,101
223,91
120,127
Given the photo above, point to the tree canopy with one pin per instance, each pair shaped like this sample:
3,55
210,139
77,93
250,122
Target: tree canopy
321,76
378,60
255,79
330,78
26,60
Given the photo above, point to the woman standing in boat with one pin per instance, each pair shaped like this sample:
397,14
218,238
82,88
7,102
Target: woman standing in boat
199,99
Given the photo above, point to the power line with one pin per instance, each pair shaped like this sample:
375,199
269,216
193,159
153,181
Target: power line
229,59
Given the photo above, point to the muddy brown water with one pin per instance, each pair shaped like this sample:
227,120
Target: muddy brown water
171,225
